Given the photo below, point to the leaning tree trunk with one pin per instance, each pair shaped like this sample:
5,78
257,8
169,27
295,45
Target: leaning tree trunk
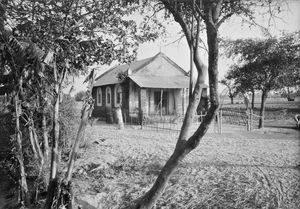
184,146
86,113
60,191
43,104
264,97
45,136
37,145
32,142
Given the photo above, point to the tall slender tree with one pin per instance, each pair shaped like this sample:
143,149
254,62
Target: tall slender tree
208,15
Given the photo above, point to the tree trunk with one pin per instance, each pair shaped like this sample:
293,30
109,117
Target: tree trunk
150,198
183,147
37,146
231,100
32,142
79,137
54,155
52,193
45,136
264,97
42,100
60,192
252,100
190,113
55,138
24,198
288,94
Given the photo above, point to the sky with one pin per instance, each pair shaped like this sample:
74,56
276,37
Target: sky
178,51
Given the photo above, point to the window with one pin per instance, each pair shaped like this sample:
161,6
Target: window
108,96
118,95
99,96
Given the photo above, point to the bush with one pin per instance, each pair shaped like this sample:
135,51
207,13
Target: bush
68,121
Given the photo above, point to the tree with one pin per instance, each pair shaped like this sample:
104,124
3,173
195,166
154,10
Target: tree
266,64
243,81
193,17
71,35
232,90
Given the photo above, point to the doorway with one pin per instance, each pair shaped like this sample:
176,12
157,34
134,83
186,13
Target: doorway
161,102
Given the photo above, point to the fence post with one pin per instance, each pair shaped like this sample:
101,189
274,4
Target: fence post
248,119
251,112
220,122
141,117
119,117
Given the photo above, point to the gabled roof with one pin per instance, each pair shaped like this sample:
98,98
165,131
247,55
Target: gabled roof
173,82
158,71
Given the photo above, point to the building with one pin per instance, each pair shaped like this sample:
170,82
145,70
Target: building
152,86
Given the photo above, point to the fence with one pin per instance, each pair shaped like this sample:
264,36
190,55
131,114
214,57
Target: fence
173,123
169,123
239,117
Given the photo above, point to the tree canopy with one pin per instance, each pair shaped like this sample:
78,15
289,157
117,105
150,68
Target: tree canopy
268,64
265,64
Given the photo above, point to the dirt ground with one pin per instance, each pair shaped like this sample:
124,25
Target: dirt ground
235,169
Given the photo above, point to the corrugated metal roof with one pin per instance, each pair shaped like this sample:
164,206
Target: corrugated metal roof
144,79
173,82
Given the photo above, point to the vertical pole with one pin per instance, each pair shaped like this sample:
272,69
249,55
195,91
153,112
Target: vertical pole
161,96
248,120
217,122
220,121
251,112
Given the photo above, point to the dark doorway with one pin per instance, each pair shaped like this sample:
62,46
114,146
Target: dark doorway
161,102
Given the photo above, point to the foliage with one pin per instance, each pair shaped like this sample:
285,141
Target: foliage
38,37
80,32
233,90
68,121
267,64
79,96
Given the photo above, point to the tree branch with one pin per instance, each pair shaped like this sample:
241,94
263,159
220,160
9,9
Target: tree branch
223,19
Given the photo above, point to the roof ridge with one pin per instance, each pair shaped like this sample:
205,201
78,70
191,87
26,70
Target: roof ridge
173,63
145,64
109,70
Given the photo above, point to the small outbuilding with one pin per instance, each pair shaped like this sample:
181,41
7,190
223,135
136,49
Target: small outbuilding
152,86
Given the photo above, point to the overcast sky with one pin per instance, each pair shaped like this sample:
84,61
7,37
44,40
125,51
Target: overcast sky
234,29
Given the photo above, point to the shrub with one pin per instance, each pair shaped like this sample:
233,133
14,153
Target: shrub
68,120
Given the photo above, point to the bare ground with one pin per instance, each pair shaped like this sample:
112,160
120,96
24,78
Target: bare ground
237,169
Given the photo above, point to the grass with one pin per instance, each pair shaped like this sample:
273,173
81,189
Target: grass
237,169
